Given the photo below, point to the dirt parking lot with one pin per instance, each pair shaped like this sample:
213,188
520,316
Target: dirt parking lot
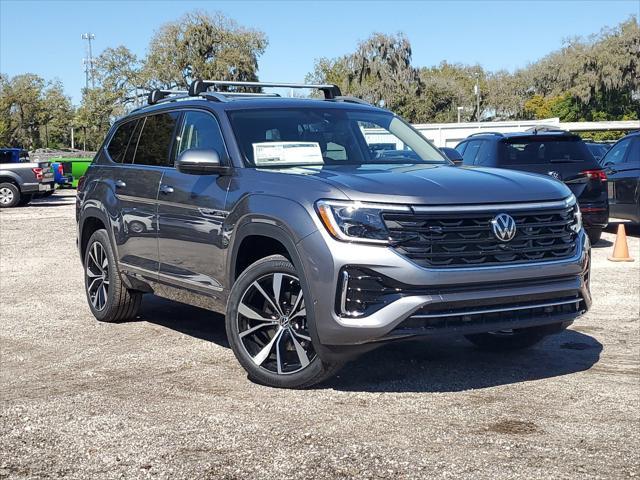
164,397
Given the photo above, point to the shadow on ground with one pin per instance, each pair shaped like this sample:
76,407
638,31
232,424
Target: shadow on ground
602,243
442,365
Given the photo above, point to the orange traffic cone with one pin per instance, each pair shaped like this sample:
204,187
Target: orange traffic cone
621,249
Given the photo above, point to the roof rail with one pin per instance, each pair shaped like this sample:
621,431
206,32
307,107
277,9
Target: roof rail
158,95
545,128
487,133
344,98
199,86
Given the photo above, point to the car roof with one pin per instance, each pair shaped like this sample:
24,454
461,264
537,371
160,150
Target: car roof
524,135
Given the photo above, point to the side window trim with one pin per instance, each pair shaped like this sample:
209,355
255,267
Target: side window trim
135,149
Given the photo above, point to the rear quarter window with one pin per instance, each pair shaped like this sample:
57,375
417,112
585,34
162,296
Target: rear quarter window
120,140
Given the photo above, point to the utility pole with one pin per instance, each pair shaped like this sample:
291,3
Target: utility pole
88,61
476,90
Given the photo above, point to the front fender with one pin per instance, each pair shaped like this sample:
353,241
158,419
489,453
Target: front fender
280,218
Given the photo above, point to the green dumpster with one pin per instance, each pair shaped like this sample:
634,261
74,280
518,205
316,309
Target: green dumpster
78,166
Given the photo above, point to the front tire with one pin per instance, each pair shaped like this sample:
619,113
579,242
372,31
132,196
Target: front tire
507,340
594,235
9,195
109,299
267,326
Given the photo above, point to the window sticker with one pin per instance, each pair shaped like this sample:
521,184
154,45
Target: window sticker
286,153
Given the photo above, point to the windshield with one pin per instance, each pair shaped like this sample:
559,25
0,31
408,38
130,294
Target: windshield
541,150
310,136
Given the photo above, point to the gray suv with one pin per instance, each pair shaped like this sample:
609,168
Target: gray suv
321,228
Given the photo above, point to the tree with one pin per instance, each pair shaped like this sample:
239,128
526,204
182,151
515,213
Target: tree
93,118
23,96
202,46
378,71
56,116
592,79
120,72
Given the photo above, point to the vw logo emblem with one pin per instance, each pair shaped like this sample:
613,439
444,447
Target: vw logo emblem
503,227
554,174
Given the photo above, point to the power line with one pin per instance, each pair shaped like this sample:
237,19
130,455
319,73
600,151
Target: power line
88,61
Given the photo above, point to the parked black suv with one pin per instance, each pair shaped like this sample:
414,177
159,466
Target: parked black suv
318,243
622,166
548,151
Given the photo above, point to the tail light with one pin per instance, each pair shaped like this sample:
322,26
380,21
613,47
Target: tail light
595,175
60,169
38,173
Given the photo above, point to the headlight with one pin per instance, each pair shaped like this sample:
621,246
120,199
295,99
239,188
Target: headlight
356,221
576,226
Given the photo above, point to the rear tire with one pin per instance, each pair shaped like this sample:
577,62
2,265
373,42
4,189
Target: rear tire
24,200
267,326
109,299
9,195
507,340
594,235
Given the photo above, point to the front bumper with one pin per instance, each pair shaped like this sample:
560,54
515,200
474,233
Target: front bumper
440,301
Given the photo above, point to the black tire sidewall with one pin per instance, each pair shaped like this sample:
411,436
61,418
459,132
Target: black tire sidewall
273,264
16,194
594,235
114,278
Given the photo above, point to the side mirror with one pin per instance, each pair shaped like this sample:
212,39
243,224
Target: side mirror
200,162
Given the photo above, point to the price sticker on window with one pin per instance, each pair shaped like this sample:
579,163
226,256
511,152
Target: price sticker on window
267,154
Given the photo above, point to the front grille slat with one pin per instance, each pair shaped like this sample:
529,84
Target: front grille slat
464,238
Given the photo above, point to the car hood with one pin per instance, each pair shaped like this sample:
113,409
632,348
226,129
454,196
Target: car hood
435,184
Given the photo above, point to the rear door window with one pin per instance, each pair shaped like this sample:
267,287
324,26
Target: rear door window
156,139
120,141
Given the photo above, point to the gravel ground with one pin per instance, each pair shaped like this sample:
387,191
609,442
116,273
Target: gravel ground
163,397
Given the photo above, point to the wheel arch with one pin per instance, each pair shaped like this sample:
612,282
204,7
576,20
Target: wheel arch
10,177
257,240
92,220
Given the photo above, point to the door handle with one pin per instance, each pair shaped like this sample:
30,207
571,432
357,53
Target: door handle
120,184
166,189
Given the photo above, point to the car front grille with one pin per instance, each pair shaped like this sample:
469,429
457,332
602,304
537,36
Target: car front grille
465,238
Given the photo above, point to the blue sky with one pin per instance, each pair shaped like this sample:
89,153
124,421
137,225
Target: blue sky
43,37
